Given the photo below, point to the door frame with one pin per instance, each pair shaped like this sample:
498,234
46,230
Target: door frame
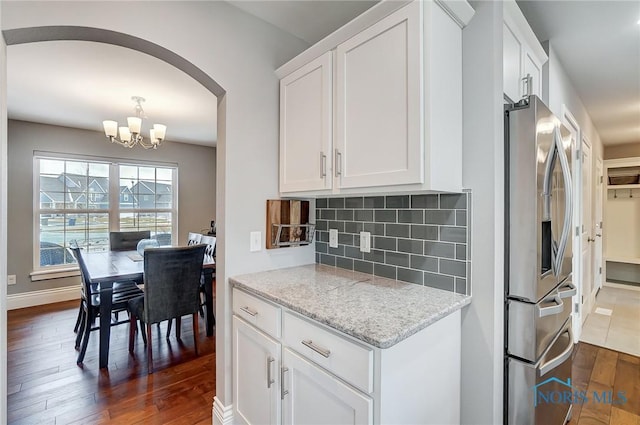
572,125
600,193
586,225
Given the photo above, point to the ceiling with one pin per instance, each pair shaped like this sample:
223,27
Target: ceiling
80,84
598,43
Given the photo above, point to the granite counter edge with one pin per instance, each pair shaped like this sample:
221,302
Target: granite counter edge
379,343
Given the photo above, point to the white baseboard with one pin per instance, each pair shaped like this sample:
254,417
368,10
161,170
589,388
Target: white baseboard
45,296
222,415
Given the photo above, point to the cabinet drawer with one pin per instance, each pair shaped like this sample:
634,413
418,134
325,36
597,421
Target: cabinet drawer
260,313
346,359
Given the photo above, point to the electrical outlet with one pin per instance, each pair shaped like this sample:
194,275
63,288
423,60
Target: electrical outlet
333,238
365,242
256,242
11,279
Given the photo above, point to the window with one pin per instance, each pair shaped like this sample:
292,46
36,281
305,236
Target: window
74,202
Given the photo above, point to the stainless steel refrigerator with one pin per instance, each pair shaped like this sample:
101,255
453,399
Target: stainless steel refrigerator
538,284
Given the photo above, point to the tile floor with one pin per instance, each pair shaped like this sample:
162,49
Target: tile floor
614,322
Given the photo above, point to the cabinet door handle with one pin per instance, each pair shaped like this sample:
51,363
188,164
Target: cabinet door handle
322,351
283,392
323,165
527,82
247,310
338,164
270,380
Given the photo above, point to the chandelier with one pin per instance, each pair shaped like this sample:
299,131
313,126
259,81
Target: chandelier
130,135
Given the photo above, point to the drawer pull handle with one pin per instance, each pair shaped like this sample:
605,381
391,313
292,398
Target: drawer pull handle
270,379
249,311
322,351
283,392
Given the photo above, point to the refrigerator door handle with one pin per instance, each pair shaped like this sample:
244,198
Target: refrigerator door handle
547,183
556,308
567,290
555,362
568,202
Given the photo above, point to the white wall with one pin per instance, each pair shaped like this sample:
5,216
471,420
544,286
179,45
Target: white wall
239,52
3,227
622,151
483,173
562,92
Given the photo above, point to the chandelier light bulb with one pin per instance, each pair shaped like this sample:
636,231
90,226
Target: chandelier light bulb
131,134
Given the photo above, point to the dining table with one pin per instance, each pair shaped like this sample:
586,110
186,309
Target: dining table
106,267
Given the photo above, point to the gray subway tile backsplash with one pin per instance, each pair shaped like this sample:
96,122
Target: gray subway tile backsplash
419,231
411,246
398,230
336,202
374,202
397,202
420,238
357,202
397,258
424,201
440,217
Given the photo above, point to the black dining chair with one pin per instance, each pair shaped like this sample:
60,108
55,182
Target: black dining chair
90,304
127,241
171,282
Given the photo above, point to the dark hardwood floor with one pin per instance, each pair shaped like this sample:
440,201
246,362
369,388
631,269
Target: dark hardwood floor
45,385
600,369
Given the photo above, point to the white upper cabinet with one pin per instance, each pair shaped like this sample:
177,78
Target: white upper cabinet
378,134
305,127
523,56
395,118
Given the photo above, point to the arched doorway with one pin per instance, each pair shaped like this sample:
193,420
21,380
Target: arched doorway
79,33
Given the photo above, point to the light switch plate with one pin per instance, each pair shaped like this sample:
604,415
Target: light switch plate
333,238
256,242
11,279
365,241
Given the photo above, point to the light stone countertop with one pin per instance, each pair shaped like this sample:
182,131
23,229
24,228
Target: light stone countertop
378,311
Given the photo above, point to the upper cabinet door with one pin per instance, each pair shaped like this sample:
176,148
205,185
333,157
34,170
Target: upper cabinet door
511,64
523,56
378,104
532,68
306,127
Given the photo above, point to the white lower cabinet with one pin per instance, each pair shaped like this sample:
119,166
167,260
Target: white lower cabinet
312,374
256,379
313,396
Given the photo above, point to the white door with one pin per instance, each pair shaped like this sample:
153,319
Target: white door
378,90
306,105
256,380
598,211
313,396
586,230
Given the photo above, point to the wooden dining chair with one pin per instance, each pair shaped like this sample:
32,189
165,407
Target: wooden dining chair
127,241
171,282
90,303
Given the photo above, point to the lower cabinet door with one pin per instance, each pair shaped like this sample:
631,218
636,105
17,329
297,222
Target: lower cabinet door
256,379
313,396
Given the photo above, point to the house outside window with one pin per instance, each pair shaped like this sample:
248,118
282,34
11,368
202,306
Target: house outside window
83,200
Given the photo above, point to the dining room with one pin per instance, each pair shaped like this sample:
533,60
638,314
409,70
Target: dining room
82,189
